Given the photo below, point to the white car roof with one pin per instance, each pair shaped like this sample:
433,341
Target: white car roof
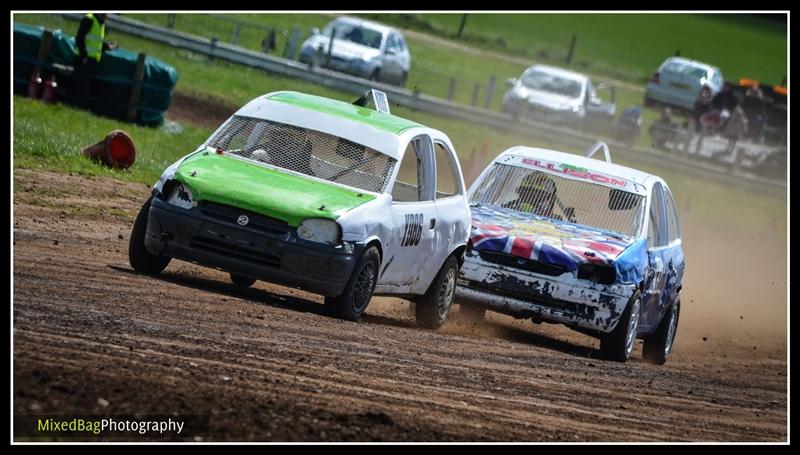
559,72
689,62
373,25
610,169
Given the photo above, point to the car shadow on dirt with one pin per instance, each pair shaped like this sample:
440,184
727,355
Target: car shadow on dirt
231,290
534,339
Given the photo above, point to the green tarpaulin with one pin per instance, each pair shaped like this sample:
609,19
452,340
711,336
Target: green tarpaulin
113,80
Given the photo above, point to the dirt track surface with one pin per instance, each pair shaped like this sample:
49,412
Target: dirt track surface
93,337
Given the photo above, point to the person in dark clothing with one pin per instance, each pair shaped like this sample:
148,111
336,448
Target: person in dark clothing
754,108
90,41
725,99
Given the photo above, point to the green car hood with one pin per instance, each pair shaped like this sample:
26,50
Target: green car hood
288,197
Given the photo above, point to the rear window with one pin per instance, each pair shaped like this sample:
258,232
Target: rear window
562,199
306,151
685,69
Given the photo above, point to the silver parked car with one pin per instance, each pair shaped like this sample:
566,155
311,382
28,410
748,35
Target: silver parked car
683,83
553,94
361,48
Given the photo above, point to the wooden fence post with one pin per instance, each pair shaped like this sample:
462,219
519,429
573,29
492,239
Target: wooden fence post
133,101
571,49
489,92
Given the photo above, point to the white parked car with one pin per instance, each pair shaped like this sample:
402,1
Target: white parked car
319,194
361,48
683,83
551,94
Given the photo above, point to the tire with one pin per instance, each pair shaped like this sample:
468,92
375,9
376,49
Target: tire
142,260
658,346
403,79
618,344
353,301
649,102
433,308
241,280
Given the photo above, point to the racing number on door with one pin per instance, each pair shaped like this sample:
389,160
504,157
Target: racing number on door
413,229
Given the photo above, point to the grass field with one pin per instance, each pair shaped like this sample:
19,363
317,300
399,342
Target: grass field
625,46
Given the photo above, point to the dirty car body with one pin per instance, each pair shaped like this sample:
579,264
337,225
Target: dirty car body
293,189
581,258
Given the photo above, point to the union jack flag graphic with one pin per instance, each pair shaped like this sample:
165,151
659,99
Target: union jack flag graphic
529,237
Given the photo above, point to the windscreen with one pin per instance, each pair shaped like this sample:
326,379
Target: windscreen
355,33
306,151
562,199
553,83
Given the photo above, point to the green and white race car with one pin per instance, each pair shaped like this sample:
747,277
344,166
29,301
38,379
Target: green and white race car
309,192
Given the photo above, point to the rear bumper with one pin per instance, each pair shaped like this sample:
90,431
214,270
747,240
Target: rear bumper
521,293
278,257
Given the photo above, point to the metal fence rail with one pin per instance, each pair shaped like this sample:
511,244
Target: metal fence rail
417,101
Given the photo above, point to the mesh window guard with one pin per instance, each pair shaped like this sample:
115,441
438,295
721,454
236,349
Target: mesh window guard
306,151
563,199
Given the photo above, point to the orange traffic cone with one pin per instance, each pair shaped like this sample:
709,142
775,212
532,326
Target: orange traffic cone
116,150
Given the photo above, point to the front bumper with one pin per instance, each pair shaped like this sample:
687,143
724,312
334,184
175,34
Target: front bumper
522,293
264,250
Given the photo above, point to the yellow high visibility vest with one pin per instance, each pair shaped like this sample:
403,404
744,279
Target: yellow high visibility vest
94,39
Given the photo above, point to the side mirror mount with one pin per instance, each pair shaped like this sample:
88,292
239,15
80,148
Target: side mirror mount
390,51
511,81
314,31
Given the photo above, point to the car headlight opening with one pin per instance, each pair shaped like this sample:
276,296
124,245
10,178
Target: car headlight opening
181,196
320,230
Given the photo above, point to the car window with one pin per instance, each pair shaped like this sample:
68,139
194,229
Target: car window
355,33
563,199
539,79
401,43
306,151
411,183
673,227
656,233
391,43
447,181
685,69
717,79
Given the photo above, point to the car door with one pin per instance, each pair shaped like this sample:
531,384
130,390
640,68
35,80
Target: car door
452,218
673,252
658,262
390,71
413,236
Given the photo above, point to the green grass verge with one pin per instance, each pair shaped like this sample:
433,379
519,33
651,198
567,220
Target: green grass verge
50,137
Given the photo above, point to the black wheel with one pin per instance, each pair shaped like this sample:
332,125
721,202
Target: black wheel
649,102
142,260
403,79
350,305
241,280
618,344
433,308
658,346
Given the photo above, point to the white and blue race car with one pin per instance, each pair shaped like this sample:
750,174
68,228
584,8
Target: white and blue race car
562,238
